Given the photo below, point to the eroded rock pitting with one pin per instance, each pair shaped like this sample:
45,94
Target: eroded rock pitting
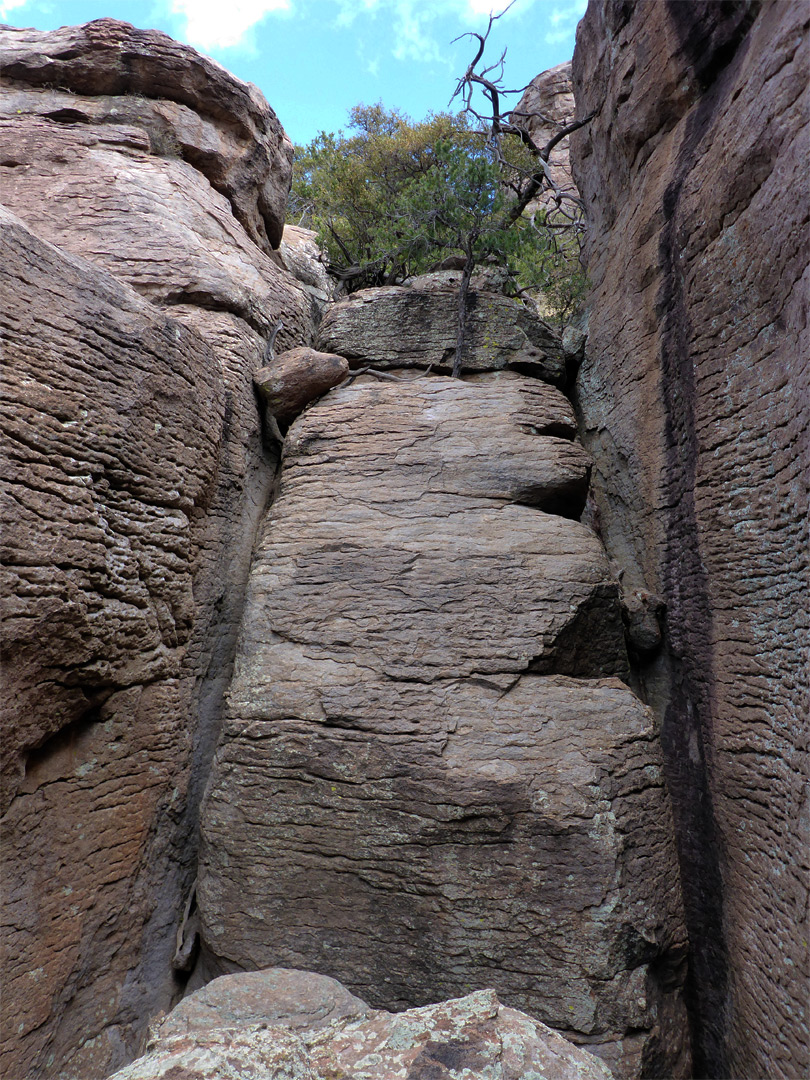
138,293
399,799
432,776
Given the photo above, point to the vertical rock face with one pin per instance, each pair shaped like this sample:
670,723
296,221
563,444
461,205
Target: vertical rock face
431,780
138,284
546,106
695,398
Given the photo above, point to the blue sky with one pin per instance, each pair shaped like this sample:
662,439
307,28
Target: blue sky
314,59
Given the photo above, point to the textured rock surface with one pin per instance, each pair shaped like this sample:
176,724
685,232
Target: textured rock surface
110,73
98,190
546,106
408,785
291,381
249,1052
695,397
471,1036
112,422
306,261
138,477
408,325
301,1000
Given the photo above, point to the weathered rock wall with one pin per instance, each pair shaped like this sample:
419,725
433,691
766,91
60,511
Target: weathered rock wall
694,399
139,285
431,779
546,106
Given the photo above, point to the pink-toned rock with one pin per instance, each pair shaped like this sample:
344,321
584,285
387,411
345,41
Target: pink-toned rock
291,381
426,784
306,261
248,1052
473,1036
695,400
300,1000
112,417
546,107
111,73
469,1036
135,475
98,190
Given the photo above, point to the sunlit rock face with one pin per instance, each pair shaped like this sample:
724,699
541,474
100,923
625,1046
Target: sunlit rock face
430,780
139,285
188,107
695,398
545,108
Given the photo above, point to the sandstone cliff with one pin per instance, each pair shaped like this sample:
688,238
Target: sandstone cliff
418,638
428,781
694,398
139,284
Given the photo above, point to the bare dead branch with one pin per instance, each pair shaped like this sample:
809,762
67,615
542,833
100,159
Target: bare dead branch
270,349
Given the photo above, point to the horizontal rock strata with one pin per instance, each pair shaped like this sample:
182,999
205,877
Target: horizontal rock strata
417,325
425,785
111,73
136,476
112,424
98,190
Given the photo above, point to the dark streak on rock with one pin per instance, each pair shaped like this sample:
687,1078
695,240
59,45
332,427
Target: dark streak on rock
687,731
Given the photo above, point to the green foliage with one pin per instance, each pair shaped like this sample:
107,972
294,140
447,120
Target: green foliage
390,198
548,267
352,189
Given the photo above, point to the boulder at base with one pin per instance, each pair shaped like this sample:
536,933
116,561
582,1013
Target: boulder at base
473,1036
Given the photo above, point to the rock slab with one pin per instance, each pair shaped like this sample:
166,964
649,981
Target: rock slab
474,1035
426,783
416,324
695,398
109,72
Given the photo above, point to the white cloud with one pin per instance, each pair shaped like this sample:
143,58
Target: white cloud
7,6
411,21
212,24
482,9
222,24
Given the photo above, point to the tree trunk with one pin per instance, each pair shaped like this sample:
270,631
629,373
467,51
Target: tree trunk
461,332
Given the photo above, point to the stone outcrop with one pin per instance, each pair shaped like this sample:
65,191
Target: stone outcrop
300,1000
258,1033
187,106
291,381
545,108
695,397
406,325
424,761
139,286
306,261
